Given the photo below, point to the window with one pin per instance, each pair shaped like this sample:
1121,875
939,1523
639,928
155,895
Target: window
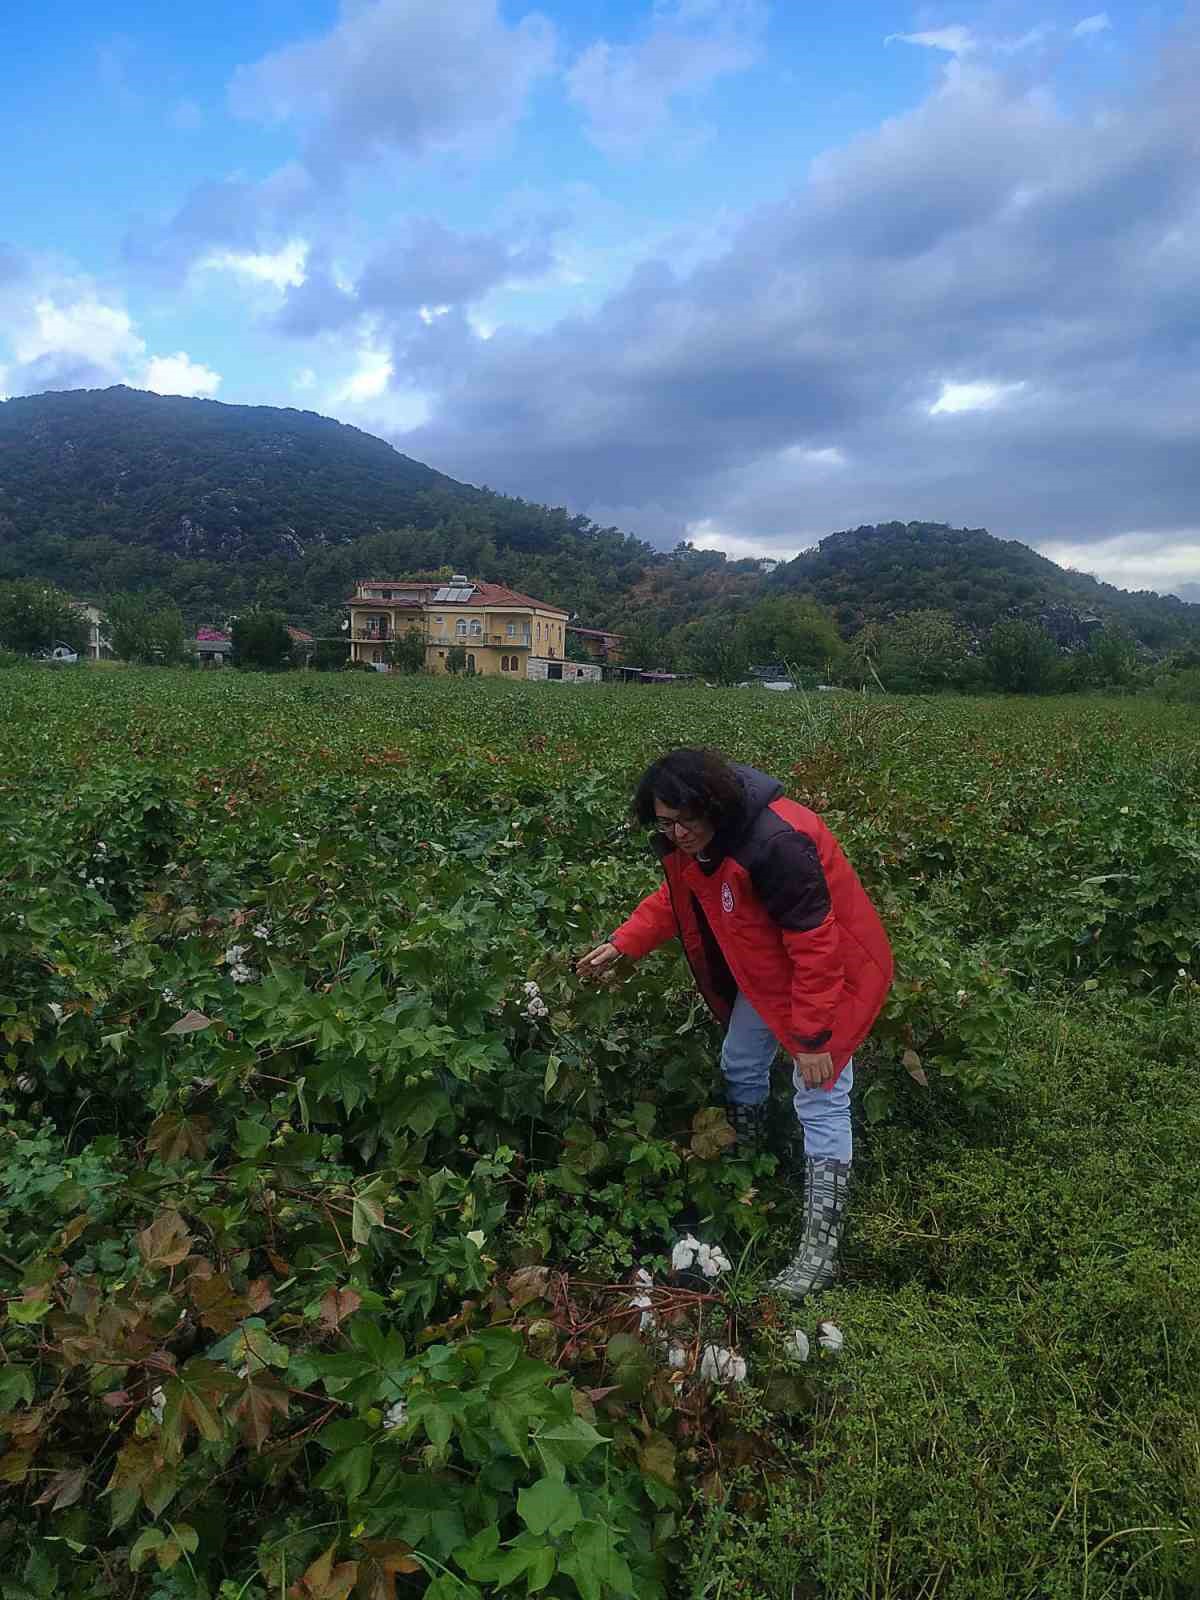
512,630
441,655
461,627
476,628
470,663
439,620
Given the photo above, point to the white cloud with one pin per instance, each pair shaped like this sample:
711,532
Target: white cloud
282,269
417,76
99,333
1159,561
799,455
1098,24
626,91
707,533
368,381
306,378
956,397
179,374
955,41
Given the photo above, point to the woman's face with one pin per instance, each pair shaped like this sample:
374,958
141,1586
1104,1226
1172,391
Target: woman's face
691,834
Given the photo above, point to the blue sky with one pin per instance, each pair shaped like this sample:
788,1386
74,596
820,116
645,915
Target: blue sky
738,271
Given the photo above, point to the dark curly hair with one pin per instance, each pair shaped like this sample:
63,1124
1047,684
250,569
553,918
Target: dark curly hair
696,783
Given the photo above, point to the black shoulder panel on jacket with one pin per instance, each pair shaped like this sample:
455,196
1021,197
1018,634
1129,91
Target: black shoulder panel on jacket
788,878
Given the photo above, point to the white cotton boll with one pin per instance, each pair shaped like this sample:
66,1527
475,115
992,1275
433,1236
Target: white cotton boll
712,1261
684,1253
647,1320
241,973
395,1416
234,954
830,1337
262,930
158,1403
531,988
56,1011
641,1302
797,1346
677,1358
643,1277
719,1365
26,1082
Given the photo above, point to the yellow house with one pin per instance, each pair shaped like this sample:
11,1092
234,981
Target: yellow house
501,633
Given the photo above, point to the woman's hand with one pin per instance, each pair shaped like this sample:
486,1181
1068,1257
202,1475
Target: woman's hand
815,1070
597,961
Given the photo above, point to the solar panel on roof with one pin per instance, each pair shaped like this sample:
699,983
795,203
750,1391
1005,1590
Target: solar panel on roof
444,594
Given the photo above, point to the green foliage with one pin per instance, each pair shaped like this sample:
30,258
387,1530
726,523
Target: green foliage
456,659
798,632
871,574
261,641
146,630
35,616
1020,657
406,651
922,652
318,1236
715,651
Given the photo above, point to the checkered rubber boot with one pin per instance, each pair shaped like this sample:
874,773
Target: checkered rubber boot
749,1124
813,1266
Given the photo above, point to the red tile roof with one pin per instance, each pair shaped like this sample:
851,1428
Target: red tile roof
298,635
483,594
593,633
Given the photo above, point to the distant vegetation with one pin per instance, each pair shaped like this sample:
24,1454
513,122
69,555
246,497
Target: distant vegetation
217,509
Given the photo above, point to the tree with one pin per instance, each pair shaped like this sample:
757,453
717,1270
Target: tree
1020,657
36,616
456,659
716,651
645,646
145,630
1113,654
921,652
798,632
261,641
406,652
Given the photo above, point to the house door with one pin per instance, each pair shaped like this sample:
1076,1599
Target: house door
554,670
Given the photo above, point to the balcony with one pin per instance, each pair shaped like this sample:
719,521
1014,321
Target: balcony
470,641
374,635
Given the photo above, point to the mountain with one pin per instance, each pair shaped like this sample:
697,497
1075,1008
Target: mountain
872,574
223,506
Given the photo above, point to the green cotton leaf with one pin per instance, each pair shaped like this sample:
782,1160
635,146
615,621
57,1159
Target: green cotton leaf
150,1539
512,1424
252,1138
479,1558
548,1506
566,1444
349,1469
16,1385
541,1568
367,1211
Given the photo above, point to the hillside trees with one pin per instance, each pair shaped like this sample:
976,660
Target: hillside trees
1020,657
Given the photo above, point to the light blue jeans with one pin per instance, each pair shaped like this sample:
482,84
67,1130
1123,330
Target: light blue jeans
824,1114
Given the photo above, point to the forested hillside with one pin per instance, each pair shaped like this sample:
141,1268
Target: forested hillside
220,507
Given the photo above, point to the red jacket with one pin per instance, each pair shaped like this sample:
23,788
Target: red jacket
777,912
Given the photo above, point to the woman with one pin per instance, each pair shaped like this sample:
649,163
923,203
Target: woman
785,947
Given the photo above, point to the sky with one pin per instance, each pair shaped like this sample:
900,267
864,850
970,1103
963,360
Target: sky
743,272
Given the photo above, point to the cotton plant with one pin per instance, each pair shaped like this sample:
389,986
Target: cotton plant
535,1008
709,1259
396,1416
719,1365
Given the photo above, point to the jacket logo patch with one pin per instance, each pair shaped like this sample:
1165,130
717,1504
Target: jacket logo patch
726,897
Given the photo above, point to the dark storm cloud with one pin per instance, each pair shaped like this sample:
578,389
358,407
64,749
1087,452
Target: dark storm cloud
987,238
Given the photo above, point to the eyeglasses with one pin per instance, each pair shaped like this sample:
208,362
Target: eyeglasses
668,825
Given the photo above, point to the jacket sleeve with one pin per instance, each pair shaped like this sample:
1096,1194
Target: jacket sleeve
652,924
790,882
